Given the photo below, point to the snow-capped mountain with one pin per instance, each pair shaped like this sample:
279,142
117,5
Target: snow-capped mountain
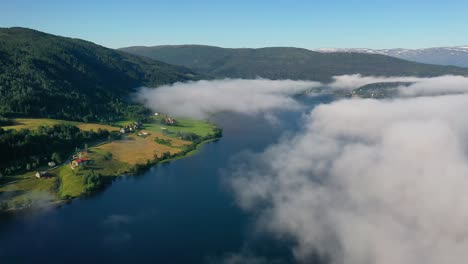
457,56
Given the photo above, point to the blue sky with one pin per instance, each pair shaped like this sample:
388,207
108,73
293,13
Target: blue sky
307,24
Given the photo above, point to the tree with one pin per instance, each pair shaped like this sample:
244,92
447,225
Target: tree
56,157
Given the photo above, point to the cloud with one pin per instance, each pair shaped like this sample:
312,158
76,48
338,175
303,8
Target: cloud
420,86
354,81
202,98
436,86
367,182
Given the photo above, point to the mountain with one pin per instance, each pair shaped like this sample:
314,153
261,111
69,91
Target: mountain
51,76
455,56
287,63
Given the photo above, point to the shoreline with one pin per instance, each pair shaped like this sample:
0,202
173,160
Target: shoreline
133,170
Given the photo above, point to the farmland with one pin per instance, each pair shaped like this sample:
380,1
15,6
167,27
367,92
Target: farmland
33,123
108,159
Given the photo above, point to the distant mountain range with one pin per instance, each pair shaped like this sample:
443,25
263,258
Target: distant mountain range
51,76
456,56
287,63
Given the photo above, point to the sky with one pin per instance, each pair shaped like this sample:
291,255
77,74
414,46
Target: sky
307,24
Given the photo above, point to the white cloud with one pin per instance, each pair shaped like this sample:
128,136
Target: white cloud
368,182
202,98
436,86
420,86
354,81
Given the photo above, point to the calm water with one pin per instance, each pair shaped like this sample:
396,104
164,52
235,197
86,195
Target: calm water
181,212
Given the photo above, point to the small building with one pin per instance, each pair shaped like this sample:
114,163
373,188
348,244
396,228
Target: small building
169,121
79,162
143,133
51,164
42,174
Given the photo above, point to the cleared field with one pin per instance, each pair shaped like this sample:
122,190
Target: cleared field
95,127
184,125
29,191
137,150
33,123
72,183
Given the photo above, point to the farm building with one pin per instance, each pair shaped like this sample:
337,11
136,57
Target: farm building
42,174
78,162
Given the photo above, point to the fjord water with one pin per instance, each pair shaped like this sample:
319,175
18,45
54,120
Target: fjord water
179,212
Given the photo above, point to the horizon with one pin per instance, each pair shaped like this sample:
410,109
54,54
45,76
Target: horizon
320,49
301,24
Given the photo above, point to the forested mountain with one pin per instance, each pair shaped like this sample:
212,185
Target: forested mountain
287,63
51,76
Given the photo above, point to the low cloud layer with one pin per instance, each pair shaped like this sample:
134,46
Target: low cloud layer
420,86
368,182
202,98
354,81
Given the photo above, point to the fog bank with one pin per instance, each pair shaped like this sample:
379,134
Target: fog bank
201,98
367,182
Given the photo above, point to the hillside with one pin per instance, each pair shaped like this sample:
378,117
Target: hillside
287,63
50,76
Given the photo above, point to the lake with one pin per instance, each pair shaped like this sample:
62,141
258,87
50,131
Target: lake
179,212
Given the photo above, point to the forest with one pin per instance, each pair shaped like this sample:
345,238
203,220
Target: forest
42,75
24,150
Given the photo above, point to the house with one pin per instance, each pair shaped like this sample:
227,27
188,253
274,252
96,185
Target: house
78,162
42,174
143,133
137,124
130,128
169,121
51,164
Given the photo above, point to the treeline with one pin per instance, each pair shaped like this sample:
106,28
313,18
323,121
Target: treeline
5,121
26,149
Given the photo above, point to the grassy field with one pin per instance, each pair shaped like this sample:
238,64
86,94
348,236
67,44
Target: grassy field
199,127
134,150
29,191
33,123
110,159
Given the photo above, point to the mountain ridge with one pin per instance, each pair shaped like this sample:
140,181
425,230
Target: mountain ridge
287,62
